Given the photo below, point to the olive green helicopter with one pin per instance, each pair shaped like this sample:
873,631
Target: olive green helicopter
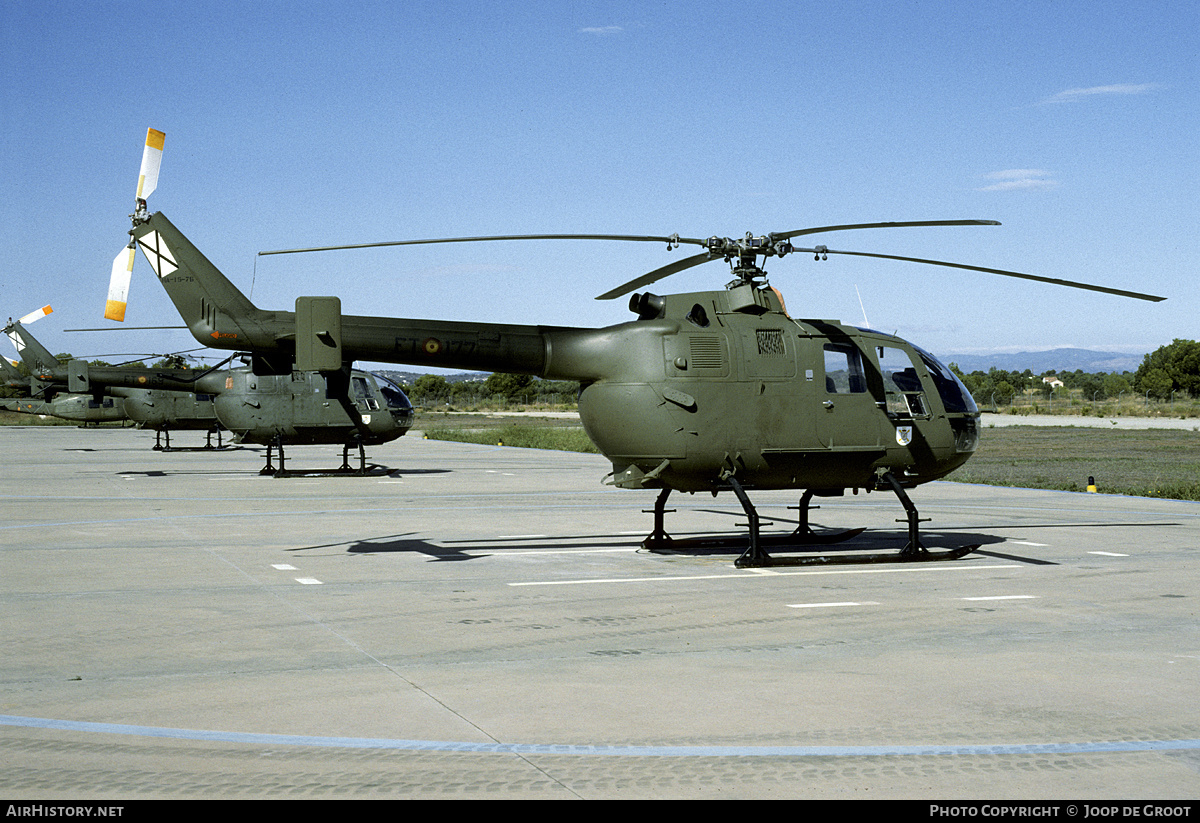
43,397
274,411
701,392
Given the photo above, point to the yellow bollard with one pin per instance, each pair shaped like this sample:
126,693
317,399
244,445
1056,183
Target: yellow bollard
1091,485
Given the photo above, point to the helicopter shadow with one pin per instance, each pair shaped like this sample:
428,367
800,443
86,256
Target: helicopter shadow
445,550
395,543
180,473
868,540
694,544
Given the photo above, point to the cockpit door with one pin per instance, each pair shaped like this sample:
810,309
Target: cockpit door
849,417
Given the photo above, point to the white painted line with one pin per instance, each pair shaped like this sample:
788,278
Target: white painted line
1109,554
828,605
1004,597
1027,543
772,573
520,536
308,581
283,567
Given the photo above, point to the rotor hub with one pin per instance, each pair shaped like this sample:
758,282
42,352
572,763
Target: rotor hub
748,247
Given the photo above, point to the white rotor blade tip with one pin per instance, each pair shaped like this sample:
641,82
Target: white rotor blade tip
36,315
118,286
151,161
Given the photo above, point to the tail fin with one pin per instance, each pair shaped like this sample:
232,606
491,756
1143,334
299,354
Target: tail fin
12,375
36,357
215,311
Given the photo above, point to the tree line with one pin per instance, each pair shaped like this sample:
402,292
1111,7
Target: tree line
499,387
1170,372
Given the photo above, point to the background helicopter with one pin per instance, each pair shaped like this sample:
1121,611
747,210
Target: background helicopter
40,397
278,410
80,408
706,391
159,410
274,411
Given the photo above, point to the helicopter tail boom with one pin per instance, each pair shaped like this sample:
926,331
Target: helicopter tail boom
220,316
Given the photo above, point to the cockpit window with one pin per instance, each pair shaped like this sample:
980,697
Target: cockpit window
955,396
393,396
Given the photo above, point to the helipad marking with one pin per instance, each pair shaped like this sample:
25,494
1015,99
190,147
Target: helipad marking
831,605
601,750
759,573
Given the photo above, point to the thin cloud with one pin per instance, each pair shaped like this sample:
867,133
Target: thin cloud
602,31
1071,95
1018,179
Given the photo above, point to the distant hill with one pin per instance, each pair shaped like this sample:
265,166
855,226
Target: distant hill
1040,362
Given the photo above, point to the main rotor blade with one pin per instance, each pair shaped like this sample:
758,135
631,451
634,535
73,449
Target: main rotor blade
674,239
1074,284
657,274
688,262
635,237
908,225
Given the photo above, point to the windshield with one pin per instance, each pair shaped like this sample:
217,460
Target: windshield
955,396
392,394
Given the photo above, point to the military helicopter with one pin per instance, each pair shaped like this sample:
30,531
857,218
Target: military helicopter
77,407
701,392
274,411
278,410
159,410
43,398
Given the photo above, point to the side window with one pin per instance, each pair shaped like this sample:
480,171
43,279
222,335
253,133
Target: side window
843,369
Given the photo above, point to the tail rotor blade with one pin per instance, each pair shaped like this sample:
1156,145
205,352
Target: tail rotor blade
122,269
118,286
151,161
36,315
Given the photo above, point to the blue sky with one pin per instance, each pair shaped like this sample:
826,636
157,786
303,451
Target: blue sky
292,124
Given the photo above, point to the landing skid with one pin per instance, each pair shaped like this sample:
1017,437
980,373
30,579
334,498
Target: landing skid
345,470
208,446
756,556
804,533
